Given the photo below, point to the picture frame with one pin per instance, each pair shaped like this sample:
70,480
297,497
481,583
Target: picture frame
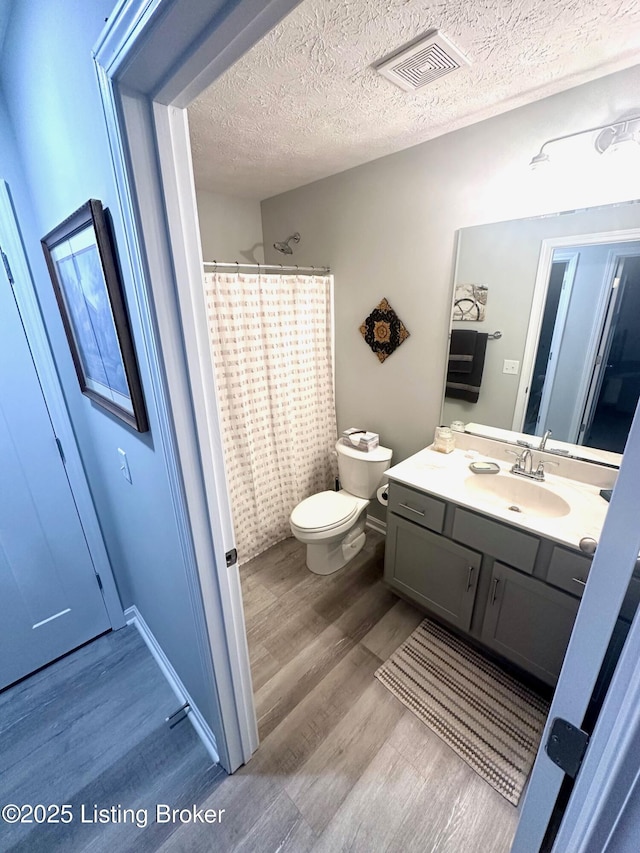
82,262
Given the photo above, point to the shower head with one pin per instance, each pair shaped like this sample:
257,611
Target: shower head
284,247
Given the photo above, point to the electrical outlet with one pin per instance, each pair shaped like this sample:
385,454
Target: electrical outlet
510,366
124,465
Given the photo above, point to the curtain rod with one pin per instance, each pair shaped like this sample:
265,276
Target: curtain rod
278,267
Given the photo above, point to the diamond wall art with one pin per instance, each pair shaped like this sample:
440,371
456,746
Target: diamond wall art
383,331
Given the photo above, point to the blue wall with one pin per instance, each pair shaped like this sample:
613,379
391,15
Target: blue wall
54,155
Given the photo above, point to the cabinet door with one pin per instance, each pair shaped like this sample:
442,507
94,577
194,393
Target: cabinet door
528,622
435,572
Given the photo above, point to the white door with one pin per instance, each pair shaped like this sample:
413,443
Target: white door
611,570
50,597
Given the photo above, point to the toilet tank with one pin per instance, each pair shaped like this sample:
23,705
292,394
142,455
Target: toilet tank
361,472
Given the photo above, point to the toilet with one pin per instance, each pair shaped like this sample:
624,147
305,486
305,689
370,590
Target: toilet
332,524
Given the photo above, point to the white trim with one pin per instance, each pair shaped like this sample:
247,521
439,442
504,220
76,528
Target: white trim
533,334
141,52
174,153
29,309
602,338
128,22
599,313
562,313
129,116
539,297
376,524
135,618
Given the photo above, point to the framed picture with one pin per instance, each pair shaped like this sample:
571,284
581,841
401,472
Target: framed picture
84,271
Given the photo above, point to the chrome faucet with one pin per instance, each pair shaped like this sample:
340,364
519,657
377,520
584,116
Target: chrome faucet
543,440
524,462
523,466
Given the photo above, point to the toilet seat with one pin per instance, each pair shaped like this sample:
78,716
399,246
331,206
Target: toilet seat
325,511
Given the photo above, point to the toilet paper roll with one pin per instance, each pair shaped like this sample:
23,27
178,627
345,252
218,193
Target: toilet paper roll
383,494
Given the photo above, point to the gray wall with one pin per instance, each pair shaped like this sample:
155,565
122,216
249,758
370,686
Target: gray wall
388,229
230,228
504,256
55,139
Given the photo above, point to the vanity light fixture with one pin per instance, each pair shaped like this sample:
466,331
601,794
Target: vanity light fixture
614,137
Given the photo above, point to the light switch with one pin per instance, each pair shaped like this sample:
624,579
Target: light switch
124,465
510,366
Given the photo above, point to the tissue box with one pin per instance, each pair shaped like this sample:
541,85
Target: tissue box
361,439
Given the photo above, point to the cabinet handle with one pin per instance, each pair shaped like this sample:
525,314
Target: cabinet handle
494,590
581,582
470,578
411,509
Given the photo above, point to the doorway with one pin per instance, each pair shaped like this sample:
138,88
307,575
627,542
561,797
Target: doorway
583,383
164,216
615,385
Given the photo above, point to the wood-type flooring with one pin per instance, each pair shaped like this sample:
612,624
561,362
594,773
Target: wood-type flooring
342,765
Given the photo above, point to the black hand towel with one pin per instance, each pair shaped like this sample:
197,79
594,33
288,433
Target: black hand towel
462,350
464,383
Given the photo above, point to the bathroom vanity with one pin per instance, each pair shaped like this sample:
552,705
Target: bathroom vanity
495,556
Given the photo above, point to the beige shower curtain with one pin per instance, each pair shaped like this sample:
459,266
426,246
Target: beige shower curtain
271,343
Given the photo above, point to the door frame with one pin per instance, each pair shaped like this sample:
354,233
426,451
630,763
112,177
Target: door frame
152,59
611,571
547,249
29,310
571,258
135,98
605,336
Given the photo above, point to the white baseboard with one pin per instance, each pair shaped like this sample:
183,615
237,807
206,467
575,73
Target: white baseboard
134,617
376,524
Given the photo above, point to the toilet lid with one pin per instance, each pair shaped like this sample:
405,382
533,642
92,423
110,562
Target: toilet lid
324,510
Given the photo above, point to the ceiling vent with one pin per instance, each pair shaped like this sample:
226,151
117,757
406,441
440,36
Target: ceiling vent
422,62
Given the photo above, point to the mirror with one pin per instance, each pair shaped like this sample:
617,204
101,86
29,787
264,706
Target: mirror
563,292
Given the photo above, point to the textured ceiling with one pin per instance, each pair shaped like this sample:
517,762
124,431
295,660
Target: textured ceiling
305,102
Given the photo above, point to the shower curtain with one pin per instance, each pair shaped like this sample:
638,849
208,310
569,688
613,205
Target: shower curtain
271,343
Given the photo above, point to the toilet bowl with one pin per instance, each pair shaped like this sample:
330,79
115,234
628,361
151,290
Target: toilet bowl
332,524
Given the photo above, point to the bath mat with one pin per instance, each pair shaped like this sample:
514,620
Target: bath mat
486,716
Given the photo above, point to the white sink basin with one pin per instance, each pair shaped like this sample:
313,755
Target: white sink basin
514,493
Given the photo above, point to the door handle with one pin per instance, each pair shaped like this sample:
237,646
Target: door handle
470,578
411,509
494,590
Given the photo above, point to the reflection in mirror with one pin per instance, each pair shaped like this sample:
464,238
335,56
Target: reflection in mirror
586,378
565,292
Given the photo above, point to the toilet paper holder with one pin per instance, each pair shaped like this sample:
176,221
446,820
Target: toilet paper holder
383,494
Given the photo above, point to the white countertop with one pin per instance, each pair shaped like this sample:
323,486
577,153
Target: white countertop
443,475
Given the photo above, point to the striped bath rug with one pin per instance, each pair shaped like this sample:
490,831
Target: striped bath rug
487,717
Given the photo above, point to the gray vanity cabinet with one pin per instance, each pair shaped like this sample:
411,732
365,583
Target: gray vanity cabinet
528,622
436,572
504,587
